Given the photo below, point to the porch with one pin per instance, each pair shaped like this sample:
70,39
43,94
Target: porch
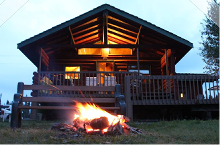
180,89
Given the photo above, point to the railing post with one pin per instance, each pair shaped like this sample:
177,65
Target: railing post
129,108
16,113
20,88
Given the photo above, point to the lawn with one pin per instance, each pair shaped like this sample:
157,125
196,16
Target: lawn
163,132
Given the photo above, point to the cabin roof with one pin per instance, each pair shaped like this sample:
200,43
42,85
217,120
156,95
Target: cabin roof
87,28
98,10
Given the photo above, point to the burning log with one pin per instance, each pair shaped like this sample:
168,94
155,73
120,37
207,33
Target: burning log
79,123
115,129
126,118
99,123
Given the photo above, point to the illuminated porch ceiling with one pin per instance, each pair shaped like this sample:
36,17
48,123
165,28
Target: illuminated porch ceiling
112,27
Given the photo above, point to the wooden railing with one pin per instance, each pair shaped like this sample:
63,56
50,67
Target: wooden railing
142,90
96,78
168,90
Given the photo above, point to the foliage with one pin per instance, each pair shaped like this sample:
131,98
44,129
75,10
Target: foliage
210,38
164,132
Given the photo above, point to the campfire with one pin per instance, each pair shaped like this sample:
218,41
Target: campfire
91,119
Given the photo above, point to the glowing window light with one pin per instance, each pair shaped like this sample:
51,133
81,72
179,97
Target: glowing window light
72,75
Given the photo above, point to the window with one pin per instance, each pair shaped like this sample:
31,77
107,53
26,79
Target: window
145,70
120,51
72,72
105,51
89,51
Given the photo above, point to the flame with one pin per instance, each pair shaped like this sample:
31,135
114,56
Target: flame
90,111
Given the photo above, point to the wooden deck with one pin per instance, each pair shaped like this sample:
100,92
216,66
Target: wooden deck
137,89
170,90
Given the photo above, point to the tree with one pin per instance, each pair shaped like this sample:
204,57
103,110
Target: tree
210,39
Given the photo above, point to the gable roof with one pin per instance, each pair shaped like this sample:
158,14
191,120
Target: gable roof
98,10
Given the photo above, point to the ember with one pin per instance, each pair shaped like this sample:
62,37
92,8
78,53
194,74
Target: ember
93,120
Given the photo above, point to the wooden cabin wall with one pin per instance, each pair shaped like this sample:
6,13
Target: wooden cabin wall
121,63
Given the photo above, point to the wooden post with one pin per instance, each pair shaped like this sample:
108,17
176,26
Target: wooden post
138,64
16,113
172,62
34,111
39,67
138,54
20,88
129,108
166,59
105,27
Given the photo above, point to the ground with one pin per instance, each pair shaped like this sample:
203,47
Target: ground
162,132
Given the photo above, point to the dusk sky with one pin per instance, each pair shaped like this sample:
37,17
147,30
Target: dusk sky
181,17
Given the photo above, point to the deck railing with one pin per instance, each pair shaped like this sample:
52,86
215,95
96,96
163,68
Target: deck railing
172,90
91,78
140,90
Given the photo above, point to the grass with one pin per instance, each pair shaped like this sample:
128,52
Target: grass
164,132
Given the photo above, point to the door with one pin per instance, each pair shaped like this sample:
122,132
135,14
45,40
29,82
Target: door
104,67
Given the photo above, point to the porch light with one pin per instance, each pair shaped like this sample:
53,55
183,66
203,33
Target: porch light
105,52
181,95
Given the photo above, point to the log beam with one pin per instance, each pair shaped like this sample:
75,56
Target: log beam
105,27
138,35
71,34
106,46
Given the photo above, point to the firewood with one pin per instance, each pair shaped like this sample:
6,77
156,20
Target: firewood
126,118
132,129
115,129
63,127
79,123
99,123
118,129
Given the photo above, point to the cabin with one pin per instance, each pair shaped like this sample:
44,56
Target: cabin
107,46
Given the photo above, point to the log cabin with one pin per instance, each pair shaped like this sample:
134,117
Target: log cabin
107,46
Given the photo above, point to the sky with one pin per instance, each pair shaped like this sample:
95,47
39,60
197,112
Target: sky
22,19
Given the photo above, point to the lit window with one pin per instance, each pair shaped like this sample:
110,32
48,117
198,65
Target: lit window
120,51
89,51
72,72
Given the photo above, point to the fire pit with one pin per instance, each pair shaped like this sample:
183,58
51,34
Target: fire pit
91,119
